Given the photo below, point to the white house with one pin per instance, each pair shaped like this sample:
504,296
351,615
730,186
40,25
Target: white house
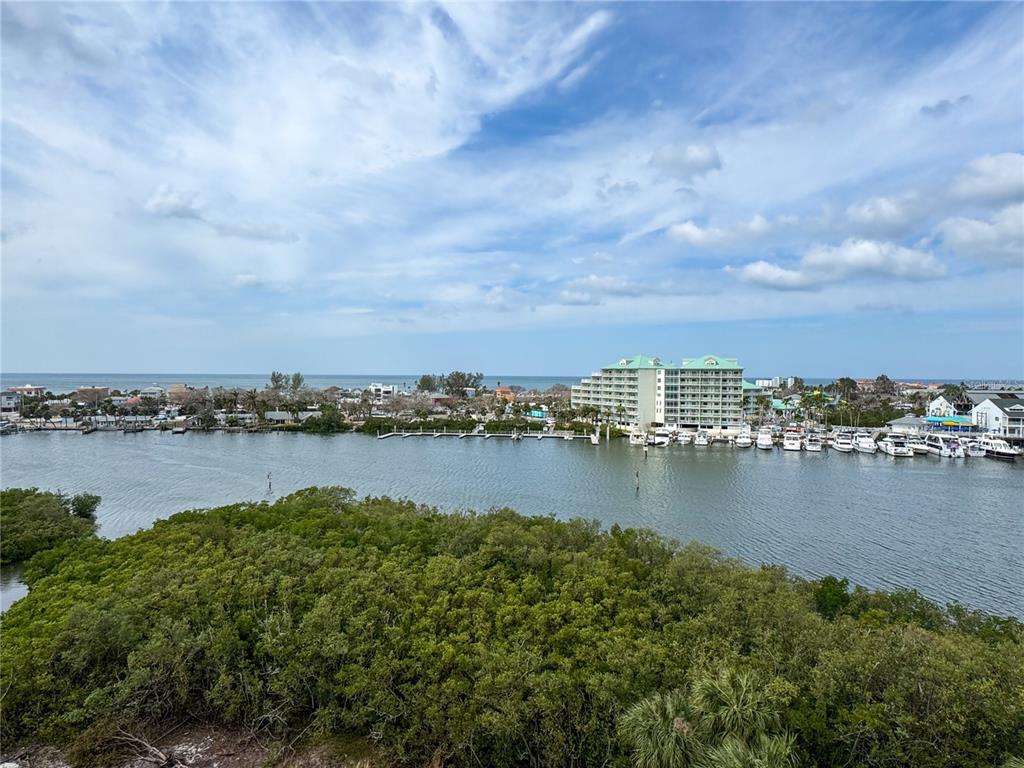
940,406
151,393
10,402
1003,416
381,392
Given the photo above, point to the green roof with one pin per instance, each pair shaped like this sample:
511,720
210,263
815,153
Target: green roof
639,361
711,362
748,385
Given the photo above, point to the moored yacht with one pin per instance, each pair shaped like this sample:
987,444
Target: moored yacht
917,444
743,439
997,448
864,442
684,438
972,448
791,441
701,438
637,437
765,439
946,446
895,445
842,442
813,442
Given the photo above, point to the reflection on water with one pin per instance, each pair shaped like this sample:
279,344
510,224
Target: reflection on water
952,529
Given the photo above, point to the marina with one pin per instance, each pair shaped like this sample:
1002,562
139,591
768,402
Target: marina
952,529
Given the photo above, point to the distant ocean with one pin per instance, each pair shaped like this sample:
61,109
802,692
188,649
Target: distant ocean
69,382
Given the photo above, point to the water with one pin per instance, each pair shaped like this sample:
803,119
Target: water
126,382
952,529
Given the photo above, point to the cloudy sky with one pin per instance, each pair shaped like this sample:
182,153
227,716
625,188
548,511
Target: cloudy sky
519,189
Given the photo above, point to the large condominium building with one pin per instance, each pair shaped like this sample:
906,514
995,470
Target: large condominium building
700,392
625,390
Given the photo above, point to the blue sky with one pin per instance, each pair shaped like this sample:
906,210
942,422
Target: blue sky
522,189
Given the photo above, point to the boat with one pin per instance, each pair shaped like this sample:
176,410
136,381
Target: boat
658,440
743,439
791,441
636,437
765,439
972,448
178,430
997,448
701,439
864,442
895,445
813,442
946,446
595,439
684,438
917,444
842,441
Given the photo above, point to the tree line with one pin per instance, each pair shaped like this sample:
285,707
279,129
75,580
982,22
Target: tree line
495,639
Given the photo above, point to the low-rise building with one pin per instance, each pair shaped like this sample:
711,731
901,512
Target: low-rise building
1003,416
28,390
381,392
505,393
941,406
10,402
153,392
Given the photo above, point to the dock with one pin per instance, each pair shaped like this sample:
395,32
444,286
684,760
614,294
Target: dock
562,434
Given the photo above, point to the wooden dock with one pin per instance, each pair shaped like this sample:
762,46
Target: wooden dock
512,435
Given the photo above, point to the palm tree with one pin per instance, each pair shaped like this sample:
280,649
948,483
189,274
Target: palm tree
763,752
735,703
662,731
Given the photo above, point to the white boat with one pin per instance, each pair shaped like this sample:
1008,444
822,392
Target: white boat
684,438
946,446
997,448
701,439
177,430
595,439
842,442
894,445
972,448
743,439
864,442
917,444
658,440
813,443
636,437
791,441
764,438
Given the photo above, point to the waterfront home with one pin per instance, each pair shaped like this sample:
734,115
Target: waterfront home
28,390
284,417
153,392
941,406
504,393
241,418
381,392
1000,415
10,402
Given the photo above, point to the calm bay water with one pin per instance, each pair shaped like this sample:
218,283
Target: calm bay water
952,529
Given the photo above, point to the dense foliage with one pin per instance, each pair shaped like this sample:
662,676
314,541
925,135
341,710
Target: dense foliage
32,520
497,639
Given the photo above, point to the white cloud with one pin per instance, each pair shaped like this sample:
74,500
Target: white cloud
686,161
991,179
823,264
884,215
692,234
999,240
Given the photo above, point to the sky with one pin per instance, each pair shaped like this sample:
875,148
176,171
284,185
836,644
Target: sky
821,190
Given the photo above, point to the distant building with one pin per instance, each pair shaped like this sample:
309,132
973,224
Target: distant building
28,390
624,391
643,390
10,402
751,392
91,395
505,393
776,382
152,392
381,392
